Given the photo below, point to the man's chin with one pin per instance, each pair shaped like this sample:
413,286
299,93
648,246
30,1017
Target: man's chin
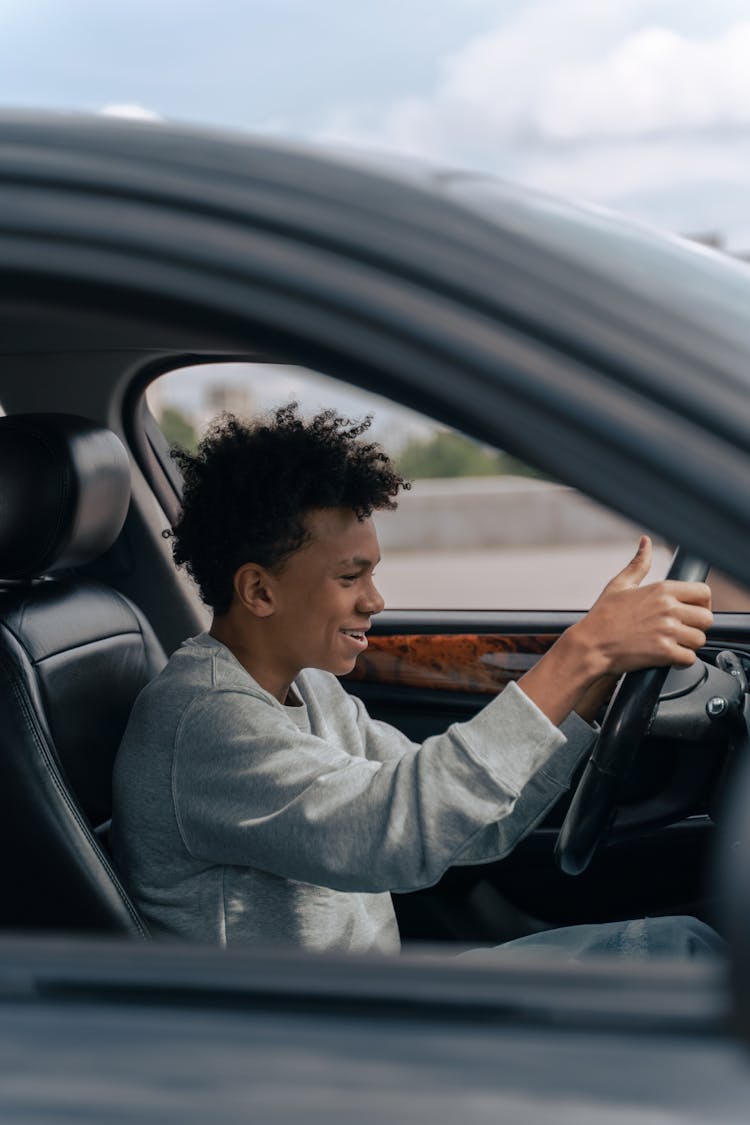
343,667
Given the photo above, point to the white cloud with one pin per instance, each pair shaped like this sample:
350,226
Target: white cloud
504,73
491,89
130,110
555,75
606,101
654,81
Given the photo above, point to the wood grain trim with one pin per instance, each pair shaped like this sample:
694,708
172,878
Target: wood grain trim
467,662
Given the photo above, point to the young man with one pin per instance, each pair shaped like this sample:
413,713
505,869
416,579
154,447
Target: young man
255,800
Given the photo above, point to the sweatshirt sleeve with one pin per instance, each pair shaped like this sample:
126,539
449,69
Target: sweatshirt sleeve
538,796
251,789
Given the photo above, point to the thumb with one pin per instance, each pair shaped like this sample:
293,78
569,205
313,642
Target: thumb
637,569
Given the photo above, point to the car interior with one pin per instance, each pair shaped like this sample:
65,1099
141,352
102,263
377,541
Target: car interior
75,654
127,258
610,361
91,604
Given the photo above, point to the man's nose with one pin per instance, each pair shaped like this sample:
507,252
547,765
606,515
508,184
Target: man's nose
372,600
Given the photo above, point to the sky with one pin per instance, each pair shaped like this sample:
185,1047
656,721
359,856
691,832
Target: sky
639,105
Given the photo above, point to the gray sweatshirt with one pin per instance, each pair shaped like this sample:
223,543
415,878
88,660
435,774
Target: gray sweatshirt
240,820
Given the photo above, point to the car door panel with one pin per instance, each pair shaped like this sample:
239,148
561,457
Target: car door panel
423,670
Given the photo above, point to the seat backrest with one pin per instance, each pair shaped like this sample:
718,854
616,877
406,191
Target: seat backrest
73,656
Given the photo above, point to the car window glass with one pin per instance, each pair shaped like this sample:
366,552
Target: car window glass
477,530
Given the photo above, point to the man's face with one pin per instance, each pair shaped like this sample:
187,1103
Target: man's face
325,595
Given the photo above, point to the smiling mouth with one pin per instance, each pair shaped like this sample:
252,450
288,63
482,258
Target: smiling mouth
356,635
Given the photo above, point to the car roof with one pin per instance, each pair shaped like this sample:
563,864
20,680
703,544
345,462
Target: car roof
129,248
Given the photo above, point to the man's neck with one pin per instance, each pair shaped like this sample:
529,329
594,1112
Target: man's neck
246,649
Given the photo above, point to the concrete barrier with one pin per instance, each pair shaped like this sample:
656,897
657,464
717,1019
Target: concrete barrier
470,513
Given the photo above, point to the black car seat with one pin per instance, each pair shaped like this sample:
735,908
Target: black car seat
73,656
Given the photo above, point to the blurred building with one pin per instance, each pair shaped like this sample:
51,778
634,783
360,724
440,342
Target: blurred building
232,398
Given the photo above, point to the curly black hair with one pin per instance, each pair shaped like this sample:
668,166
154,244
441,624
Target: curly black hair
249,486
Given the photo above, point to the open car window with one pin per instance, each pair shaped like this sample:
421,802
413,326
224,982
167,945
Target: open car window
478,528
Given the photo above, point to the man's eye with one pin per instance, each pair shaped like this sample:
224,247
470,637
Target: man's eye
349,577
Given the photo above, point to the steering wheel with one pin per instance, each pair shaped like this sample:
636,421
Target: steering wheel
625,725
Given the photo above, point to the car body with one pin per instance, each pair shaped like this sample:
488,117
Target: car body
614,359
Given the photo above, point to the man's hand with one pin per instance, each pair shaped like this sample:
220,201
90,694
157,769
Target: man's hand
632,626
629,627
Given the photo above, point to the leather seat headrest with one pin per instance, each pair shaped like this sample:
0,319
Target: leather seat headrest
64,492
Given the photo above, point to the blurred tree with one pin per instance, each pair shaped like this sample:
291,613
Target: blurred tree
177,428
449,454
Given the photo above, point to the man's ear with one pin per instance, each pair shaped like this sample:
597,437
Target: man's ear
254,589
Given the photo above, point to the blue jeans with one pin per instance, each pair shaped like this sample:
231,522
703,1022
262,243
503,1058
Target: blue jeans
676,936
